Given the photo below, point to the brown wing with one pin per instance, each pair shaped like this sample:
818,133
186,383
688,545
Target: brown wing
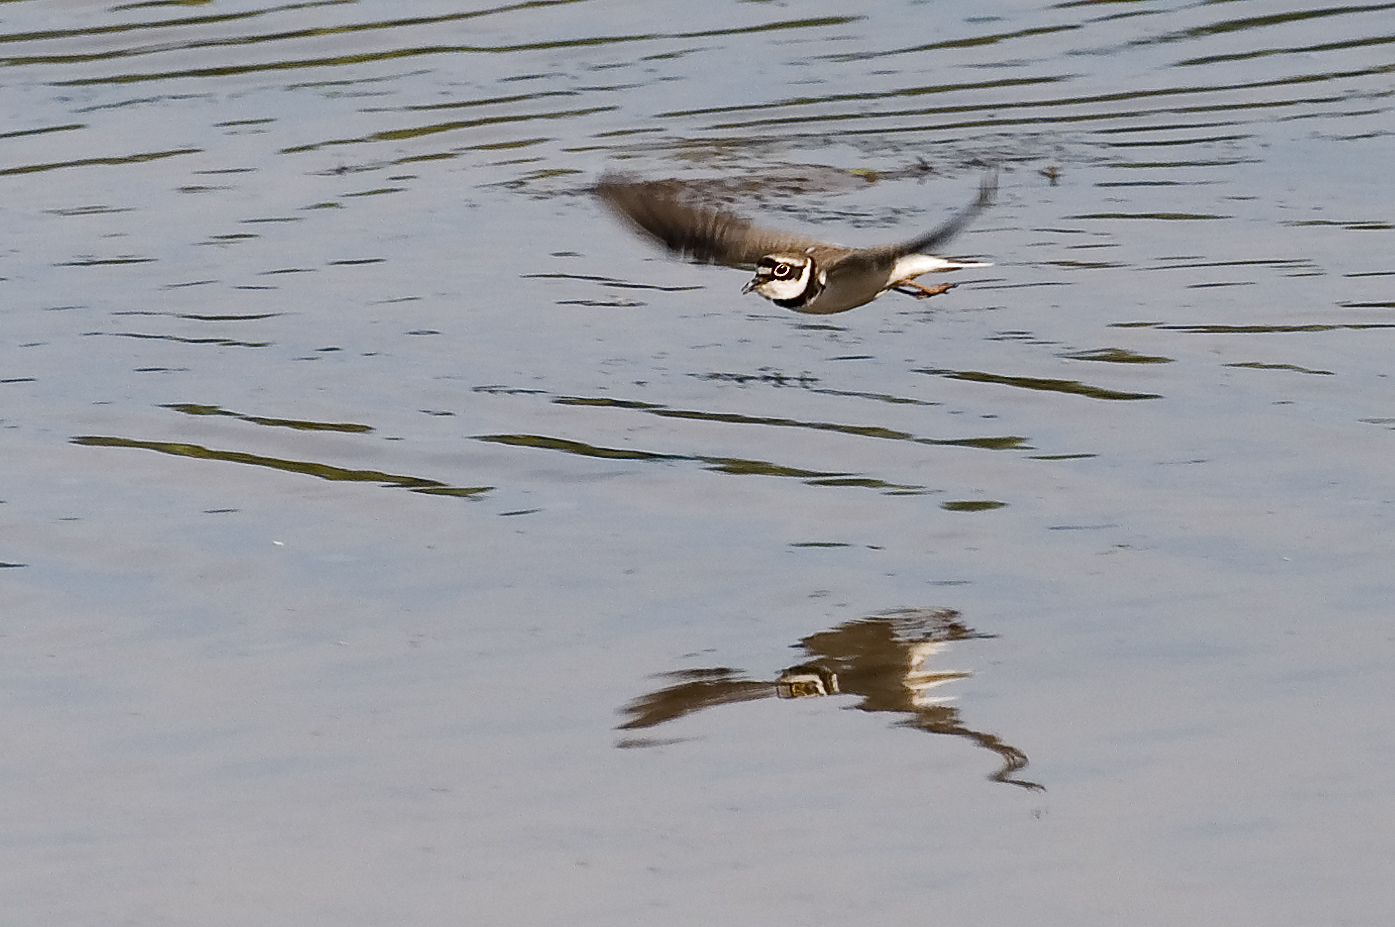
858,272
931,241
711,236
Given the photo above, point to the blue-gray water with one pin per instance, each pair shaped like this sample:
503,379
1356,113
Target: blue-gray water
389,537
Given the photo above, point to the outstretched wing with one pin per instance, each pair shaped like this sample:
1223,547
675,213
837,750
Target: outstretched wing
711,236
877,263
925,244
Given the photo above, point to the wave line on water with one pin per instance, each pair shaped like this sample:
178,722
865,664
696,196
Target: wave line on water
305,467
735,466
366,57
191,408
1074,387
1006,442
90,162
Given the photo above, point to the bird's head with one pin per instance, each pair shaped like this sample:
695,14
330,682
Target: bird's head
783,277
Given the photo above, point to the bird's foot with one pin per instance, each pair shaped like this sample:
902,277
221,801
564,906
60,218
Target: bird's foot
911,288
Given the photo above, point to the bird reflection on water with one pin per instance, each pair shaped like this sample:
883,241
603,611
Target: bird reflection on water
877,659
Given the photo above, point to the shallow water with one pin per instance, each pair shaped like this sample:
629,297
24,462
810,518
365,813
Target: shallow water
393,538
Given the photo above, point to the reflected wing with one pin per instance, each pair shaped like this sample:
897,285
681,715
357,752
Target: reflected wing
695,690
711,236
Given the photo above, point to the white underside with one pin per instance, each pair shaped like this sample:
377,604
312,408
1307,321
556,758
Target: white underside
913,265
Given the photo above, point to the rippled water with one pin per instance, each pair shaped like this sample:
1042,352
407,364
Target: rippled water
390,537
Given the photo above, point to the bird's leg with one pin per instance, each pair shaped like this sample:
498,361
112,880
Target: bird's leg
911,288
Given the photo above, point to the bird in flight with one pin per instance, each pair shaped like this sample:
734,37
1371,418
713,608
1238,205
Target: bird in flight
792,271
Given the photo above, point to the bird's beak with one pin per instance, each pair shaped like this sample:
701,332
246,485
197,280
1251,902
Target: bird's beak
754,282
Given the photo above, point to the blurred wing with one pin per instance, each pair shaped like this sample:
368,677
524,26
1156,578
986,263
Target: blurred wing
931,241
711,236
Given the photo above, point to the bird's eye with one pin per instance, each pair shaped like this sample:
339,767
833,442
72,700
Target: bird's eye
781,271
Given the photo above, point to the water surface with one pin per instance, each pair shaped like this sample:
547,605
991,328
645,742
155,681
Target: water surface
390,537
